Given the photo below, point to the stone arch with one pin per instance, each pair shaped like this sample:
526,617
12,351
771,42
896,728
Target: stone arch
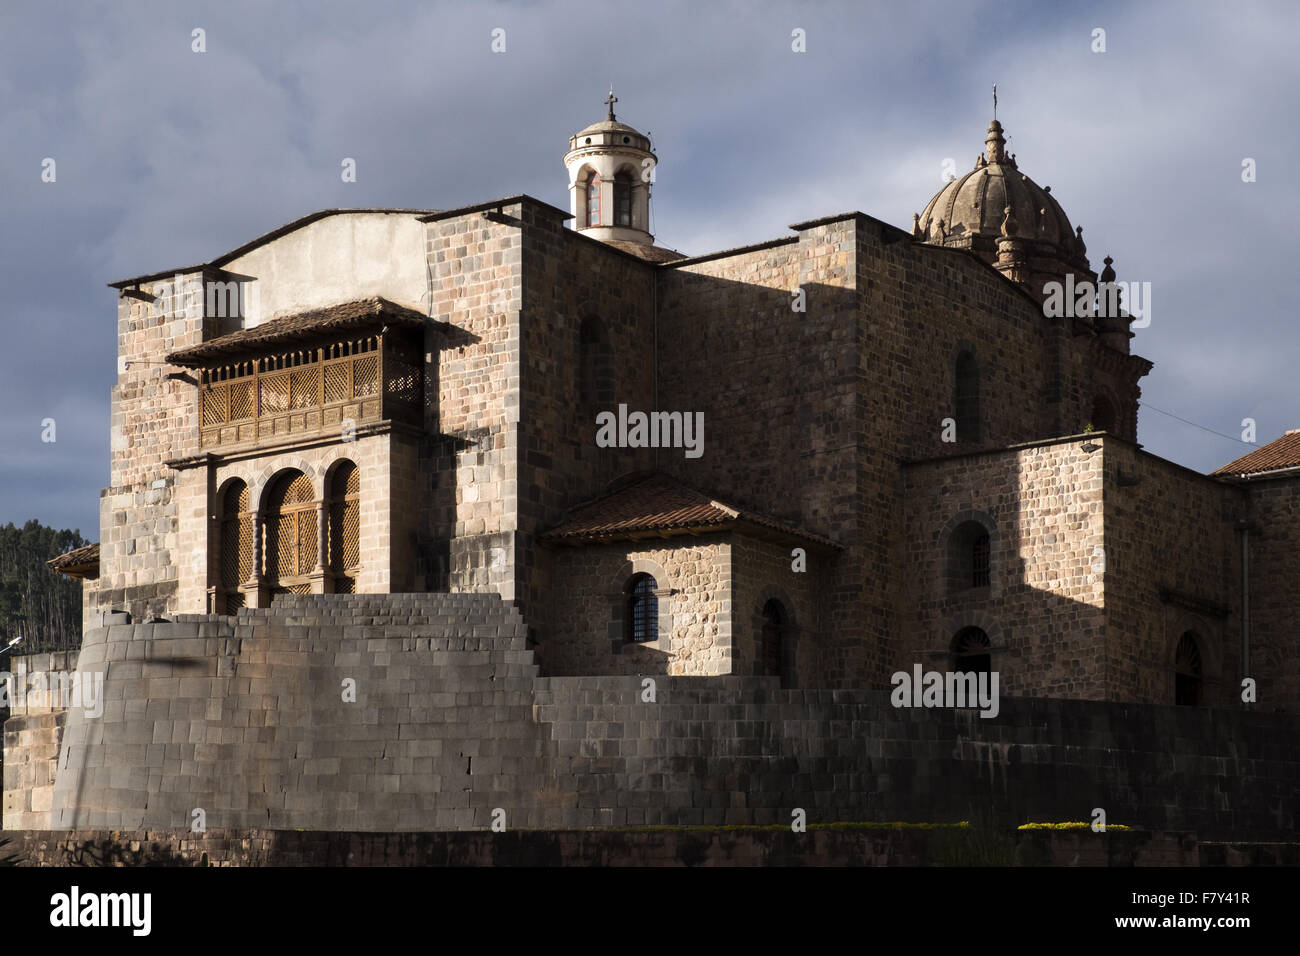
958,540
290,510
760,623
342,513
1207,638
233,554
618,593
259,487
971,650
1000,650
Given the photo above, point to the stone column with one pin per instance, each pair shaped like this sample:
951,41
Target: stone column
321,583
255,588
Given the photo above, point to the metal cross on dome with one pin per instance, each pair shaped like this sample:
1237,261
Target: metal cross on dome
610,101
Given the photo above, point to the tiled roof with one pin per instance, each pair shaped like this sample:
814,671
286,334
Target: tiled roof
1282,453
645,251
656,505
304,326
77,563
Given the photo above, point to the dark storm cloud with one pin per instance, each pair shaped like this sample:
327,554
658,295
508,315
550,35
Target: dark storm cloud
167,158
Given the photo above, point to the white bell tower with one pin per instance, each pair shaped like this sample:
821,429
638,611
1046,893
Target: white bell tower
611,170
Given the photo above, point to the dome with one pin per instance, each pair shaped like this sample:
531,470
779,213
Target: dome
971,210
610,134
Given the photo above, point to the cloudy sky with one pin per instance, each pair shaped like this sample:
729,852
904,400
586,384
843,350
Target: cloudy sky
166,157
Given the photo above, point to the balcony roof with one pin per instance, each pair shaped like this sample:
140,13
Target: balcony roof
300,328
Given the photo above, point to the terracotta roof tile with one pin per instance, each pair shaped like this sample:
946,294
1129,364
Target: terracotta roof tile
78,563
659,506
301,327
645,251
1282,453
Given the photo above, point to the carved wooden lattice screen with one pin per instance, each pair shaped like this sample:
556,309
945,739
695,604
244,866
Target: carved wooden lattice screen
236,537
345,526
292,543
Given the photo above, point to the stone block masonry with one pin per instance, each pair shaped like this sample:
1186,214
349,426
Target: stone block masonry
246,720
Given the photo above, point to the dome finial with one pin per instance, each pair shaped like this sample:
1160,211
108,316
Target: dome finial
995,101
610,101
994,145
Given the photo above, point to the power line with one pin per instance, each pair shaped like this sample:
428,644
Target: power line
1194,424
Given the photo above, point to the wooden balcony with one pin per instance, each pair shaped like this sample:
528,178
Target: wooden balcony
302,393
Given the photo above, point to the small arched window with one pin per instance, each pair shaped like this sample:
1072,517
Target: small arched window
969,557
970,652
593,200
623,199
966,398
1187,672
642,616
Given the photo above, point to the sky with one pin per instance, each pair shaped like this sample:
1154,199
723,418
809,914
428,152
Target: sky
166,157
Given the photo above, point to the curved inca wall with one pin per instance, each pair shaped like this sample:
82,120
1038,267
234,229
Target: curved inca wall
245,719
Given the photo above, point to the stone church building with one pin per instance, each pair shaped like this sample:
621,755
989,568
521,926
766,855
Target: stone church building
827,456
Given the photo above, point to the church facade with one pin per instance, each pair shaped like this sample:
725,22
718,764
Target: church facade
826,457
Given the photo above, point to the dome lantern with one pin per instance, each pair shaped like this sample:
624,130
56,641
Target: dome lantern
610,168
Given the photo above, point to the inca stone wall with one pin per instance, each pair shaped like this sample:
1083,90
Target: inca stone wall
38,690
244,719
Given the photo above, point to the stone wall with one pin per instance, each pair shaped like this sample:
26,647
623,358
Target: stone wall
781,408
632,847
1043,607
244,719
763,571
694,576
1274,510
1172,566
39,691
153,421
473,411
570,280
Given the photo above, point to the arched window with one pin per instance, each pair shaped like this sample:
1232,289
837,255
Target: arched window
292,545
345,526
235,537
966,399
970,652
595,363
771,638
1103,415
642,618
623,199
1187,672
593,200
969,557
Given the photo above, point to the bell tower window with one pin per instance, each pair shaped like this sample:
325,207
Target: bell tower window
593,200
623,200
